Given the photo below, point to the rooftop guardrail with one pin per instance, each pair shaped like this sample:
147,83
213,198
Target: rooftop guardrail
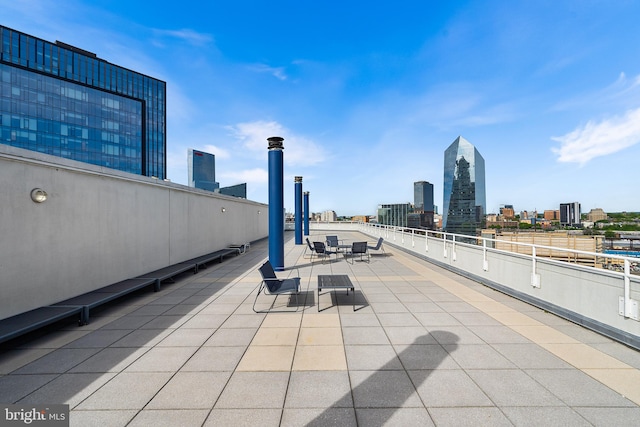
598,290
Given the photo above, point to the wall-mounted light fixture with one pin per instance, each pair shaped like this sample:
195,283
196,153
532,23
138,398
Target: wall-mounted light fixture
223,209
38,195
259,212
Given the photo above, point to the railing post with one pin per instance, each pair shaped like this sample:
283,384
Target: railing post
627,289
535,277
444,245
426,241
485,261
453,249
628,307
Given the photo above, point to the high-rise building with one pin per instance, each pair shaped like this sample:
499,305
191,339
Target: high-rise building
465,203
423,196
423,206
64,101
202,170
394,214
570,214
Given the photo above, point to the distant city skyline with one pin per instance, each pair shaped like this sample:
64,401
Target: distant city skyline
548,92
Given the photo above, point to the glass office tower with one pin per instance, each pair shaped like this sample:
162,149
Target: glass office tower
64,101
423,196
394,214
424,207
465,202
202,170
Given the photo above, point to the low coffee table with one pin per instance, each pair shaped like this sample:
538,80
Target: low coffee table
334,282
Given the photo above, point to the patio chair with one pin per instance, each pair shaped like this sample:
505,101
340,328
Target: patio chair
309,248
357,248
333,241
321,250
377,247
274,286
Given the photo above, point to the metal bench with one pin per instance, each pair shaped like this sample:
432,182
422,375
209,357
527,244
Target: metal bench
20,324
107,294
81,305
203,260
241,248
169,272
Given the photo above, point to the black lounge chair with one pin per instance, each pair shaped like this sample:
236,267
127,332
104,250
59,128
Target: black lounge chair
321,250
333,242
274,286
309,248
357,248
377,247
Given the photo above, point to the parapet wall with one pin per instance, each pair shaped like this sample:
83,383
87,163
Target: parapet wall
99,226
589,296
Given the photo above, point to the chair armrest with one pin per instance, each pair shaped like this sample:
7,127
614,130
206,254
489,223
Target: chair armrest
297,273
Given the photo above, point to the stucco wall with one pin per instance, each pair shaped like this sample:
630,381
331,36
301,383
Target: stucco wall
99,226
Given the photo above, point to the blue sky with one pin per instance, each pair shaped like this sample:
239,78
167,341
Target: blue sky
368,95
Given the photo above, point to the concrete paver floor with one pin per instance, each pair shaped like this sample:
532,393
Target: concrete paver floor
425,347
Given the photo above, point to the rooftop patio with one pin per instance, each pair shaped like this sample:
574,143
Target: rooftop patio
424,347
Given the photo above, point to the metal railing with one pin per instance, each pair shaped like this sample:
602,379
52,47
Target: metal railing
579,285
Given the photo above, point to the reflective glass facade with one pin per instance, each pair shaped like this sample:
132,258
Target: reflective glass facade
202,170
239,190
394,214
464,204
423,196
61,100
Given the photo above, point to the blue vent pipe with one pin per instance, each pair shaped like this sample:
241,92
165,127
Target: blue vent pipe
306,213
298,208
276,203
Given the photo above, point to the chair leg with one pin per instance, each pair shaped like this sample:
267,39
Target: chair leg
257,295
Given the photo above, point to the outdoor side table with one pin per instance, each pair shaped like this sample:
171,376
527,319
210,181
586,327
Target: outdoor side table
335,282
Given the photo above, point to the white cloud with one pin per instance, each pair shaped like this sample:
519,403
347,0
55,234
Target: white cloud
187,35
621,94
277,72
599,139
298,150
220,153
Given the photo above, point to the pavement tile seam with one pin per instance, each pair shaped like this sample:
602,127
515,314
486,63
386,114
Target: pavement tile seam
233,296
534,330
